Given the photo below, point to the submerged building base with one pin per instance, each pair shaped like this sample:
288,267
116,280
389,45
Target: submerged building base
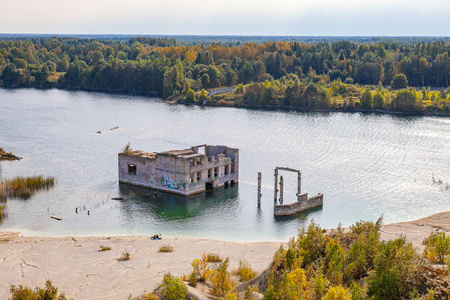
183,172
303,204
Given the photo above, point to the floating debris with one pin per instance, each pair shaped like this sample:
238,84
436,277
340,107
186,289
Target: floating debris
56,218
118,198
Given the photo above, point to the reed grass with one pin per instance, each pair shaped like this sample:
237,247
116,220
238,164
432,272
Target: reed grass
24,187
2,212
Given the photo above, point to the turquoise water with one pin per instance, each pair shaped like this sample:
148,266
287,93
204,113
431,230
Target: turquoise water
366,165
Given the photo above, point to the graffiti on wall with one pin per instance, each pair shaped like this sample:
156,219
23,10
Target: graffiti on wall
170,182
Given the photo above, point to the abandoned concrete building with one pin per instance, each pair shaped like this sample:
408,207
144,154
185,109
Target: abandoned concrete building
182,172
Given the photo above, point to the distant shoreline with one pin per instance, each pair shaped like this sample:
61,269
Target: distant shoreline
250,107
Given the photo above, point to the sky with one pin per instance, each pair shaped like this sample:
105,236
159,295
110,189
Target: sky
228,17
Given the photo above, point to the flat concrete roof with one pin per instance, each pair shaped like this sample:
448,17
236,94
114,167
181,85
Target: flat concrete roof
141,153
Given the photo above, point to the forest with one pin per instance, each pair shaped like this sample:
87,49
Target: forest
387,74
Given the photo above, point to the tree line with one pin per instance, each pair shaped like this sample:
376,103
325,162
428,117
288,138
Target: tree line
162,66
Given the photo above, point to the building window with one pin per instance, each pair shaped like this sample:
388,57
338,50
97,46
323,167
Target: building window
198,176
132,169
209,173
226,169
216,172
232,168
192,178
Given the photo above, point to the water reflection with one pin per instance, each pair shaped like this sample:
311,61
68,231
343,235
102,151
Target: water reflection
164,206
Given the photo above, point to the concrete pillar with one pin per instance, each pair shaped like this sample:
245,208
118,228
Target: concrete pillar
281,190
276,186
299,184
259,189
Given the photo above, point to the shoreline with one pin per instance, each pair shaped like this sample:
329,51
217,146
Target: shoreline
77,268
153,95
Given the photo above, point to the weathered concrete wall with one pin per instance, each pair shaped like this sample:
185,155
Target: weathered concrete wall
149,173
296,207
184,176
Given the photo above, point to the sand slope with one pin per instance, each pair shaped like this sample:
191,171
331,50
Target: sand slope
76,266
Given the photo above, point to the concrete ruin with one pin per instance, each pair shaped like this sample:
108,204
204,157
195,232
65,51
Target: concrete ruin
303,202
183,172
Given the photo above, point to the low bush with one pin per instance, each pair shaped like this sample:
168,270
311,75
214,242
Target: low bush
214,258
173,288
125,256
48,293
221,280
437,247
394,271
104,248
245,271
166,248
201,267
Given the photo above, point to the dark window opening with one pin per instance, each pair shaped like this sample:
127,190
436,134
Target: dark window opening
226,170
216,172
232,168
198,176
209,173
132,169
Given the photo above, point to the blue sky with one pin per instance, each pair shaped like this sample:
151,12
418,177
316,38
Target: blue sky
231,17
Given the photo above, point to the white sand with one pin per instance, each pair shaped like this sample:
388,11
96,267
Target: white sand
76,267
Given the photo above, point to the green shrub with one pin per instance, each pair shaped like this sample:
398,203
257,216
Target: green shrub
221,280
394,268
364,240
201,267
437,247
173,288
229,296
48,293
337,293
250,292
104,248
166,248
192,281
311,241
213,258
245,271
125,256
334,261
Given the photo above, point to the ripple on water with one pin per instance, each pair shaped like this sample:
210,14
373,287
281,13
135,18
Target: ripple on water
366,165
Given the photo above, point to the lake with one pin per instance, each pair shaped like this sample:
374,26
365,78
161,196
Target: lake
366,165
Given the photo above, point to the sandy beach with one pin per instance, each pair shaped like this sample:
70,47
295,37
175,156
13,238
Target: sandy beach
78,269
